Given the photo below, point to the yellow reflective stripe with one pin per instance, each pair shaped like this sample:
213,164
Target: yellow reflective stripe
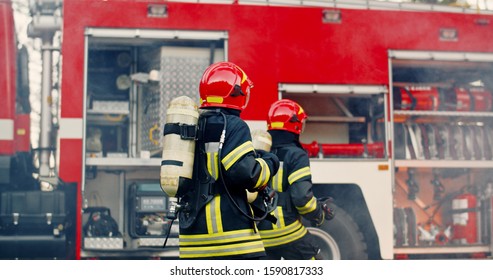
310,206
217,210
215,99
208,218
277,179
222,250
236,154
277,124
272,233
264,173
211,149
219,238
213,215
212,164
299,233
281,217
300,173
285,239
279,214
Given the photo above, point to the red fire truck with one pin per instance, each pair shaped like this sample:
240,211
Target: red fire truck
35,220
14,88
400,127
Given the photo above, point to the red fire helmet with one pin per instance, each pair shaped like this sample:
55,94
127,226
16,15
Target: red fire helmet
286,115
226,85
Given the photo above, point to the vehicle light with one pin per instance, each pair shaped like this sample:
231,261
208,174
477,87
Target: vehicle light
331,16
448,34
157,10
383,167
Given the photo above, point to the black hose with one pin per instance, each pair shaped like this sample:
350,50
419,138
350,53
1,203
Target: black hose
219,151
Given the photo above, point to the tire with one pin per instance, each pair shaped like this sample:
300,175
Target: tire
339,238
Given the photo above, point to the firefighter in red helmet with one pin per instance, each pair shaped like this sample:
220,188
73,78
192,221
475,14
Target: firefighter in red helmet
227,164
288,238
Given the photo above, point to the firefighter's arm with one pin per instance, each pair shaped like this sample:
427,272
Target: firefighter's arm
301,192
305,202
243,167
312,209
251,172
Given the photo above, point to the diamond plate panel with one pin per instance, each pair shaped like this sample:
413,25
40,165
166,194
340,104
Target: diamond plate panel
179,75
103,243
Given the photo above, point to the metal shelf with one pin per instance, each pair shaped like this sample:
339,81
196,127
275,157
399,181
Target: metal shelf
444,163
124,162
469,249
340,119
107,112
113,118
171,252
443,114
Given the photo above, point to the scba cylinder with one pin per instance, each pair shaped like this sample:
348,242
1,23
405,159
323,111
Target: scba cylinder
179,137
261,140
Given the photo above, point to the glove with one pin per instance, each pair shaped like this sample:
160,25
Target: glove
329,212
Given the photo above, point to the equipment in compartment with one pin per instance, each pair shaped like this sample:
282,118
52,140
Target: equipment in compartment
108,138
32,212
33,224
100,223
438,187
456,213
101,230
423,98
485,210
400,141
147,210
412,184
179,69
400,227
473,99
108,75
405,227
433,98
465,220
335,150
446,141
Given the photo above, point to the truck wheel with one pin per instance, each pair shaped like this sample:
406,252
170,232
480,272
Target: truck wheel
339,238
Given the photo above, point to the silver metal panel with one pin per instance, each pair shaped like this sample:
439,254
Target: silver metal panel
180,71
441,56
155,34
332,89
103,243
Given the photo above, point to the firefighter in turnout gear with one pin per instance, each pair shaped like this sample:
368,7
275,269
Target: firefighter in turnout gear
224,226
289,238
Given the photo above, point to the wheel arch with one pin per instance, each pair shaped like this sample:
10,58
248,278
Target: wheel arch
350,198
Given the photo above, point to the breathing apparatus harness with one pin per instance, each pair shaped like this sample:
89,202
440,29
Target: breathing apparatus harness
191,199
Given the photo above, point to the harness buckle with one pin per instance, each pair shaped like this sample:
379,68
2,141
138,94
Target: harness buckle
188,132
